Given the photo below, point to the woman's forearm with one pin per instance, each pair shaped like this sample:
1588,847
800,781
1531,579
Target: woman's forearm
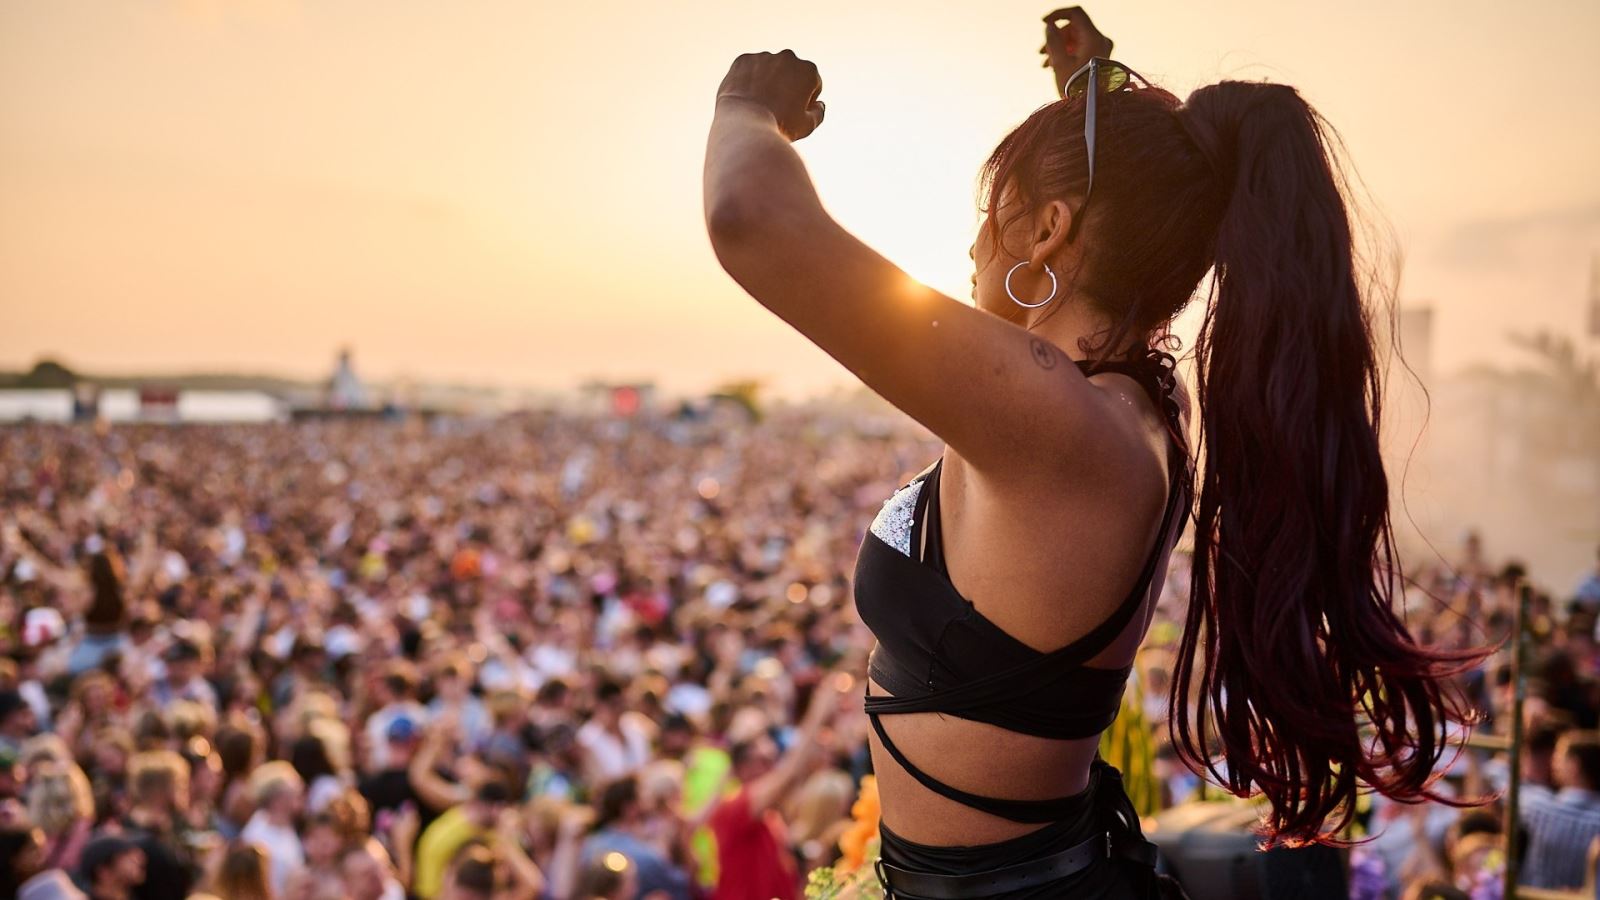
754,180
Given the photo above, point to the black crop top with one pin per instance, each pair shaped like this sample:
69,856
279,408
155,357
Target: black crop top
937,653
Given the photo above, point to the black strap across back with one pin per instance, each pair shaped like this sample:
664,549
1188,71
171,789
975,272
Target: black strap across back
937,653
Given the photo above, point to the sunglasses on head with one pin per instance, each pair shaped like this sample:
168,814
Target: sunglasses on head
1095,77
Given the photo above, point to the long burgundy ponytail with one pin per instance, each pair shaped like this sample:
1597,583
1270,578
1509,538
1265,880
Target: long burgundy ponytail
1295,677
1293,654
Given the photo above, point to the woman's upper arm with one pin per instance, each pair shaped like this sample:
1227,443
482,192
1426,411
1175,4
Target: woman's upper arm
1006,400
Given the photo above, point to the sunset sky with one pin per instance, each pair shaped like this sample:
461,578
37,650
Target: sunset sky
509,192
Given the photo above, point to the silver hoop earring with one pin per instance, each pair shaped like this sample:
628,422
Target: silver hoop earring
1013,296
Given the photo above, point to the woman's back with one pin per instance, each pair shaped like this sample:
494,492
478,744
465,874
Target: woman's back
1046,563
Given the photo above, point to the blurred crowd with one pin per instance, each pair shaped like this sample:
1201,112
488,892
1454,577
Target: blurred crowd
555,656
1458,848
536,657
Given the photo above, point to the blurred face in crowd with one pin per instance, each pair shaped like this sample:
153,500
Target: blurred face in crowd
675,742
401,748
1568,768
608,712
246,688
363,875
29,857
141,631
110,759
1538,768
129,868
169,795
287,802
13,778
21,723
484,814
759,758
321,842
96,699
205,771
183,671
451,687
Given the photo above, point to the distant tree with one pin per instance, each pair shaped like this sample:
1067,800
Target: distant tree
745,392
48,373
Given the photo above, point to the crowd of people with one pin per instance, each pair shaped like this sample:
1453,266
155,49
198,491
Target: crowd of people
552,656
1459,848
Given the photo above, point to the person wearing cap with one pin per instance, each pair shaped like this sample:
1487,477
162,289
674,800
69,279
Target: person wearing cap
461,824
111,868
394,693
185,661
389,791
17,721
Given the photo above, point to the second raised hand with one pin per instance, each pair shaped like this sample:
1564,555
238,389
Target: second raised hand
1070,40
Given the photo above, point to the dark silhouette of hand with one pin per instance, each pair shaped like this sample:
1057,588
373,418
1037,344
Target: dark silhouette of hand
785,84
1070,40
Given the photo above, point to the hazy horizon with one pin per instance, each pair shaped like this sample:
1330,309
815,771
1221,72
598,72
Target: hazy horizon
511,196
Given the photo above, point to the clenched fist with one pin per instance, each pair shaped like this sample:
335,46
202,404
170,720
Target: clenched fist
785,84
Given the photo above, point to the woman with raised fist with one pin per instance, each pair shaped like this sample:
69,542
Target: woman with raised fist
1010,584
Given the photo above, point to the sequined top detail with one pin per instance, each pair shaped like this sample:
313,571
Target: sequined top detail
893,524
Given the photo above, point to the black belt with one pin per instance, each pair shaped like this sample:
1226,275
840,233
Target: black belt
904,884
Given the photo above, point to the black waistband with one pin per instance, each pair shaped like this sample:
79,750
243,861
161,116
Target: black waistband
904,884
1104,825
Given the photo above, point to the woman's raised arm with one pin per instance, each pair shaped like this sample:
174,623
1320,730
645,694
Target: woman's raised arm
1006,400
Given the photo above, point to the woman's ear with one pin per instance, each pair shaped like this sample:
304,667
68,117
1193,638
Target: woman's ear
1051,223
